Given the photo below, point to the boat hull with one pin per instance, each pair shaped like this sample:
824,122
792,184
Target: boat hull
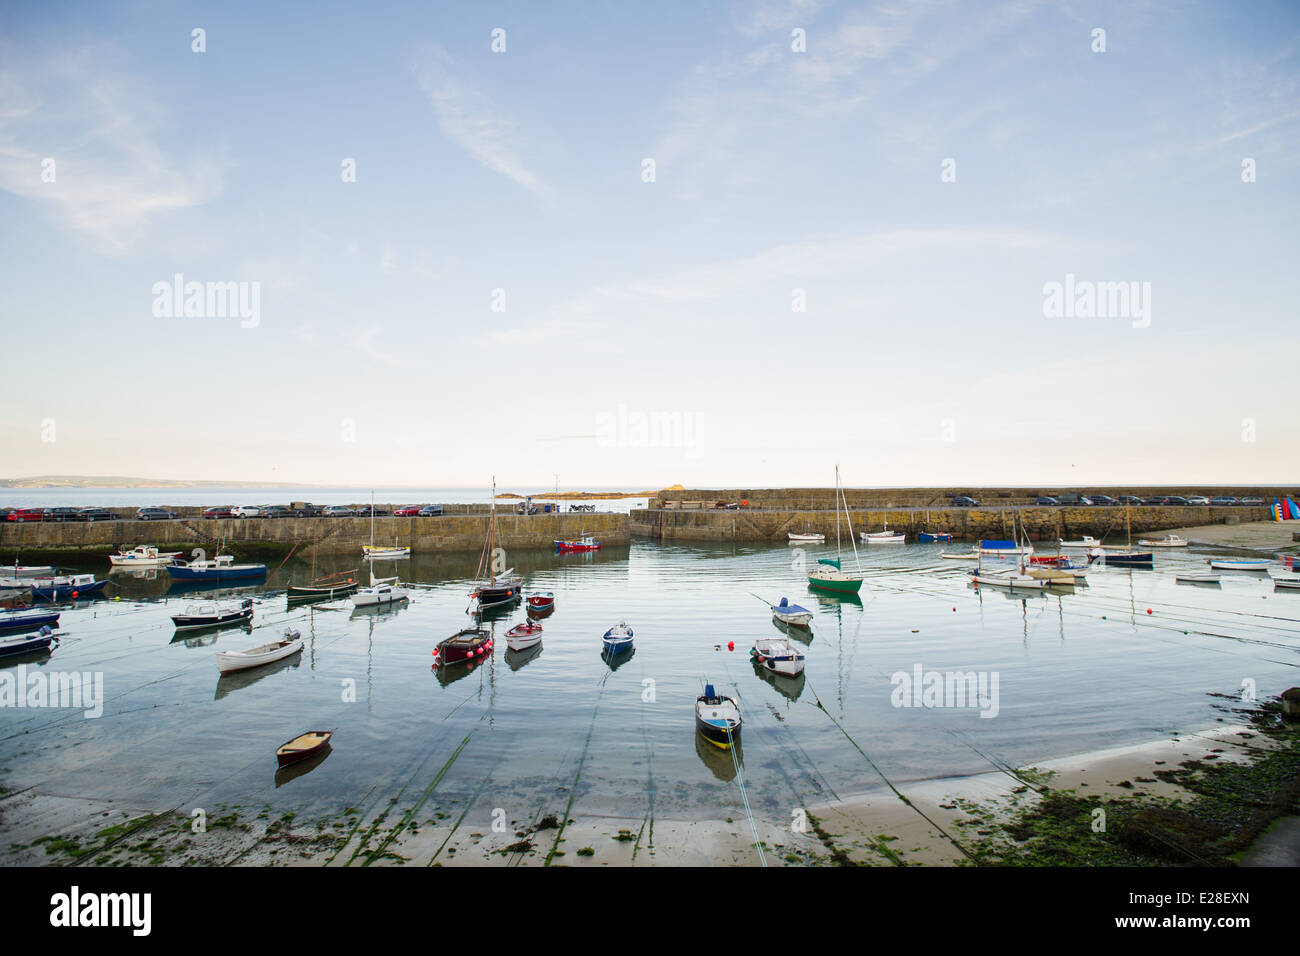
15,622
229,662
467,645
298,749
235,572
840,585
305,592
188,621
927,538
18,646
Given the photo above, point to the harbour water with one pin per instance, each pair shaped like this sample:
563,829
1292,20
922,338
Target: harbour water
558,730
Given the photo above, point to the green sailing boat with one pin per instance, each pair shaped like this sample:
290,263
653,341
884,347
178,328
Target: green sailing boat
829,575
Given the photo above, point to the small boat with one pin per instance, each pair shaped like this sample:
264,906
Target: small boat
1087,541
1236,564
1168,541
28,644
381,591
1286,584
545,601
1012,580
220,568
971,555
718,718
468,644
788,613
325,589
213,615
618,638
1054,575
778,655
63,586
1005,548
231,661
303,746
1121,559
929,537
27,620
523,636
373,553
143,556
882,537
585,542
32,570
833,578
807,537
1196,577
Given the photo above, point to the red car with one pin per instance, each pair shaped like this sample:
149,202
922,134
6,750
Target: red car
407,511
218,512
26,514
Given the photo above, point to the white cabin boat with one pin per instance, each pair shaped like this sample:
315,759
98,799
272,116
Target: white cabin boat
807,537
1087,541
381,591
1168,541
143,556
384,554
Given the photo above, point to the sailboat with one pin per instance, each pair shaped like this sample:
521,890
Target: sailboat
381,553
1014,579
1126,557
329,586
381,590
491,588
829,575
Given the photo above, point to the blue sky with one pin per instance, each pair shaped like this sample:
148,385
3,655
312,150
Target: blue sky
648,334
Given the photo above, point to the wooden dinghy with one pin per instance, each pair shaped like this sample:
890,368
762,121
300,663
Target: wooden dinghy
231,661
717,718
303,746
28,644
523,636
960,555
618,638
468,644
1229,564
1196,577
1011,580
778,655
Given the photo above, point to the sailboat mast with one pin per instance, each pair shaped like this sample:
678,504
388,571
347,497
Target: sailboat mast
492,536
837,511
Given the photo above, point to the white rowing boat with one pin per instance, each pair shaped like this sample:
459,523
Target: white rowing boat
1196,577
1168,541
1286,584
960,555
1230,564
807,537
230,661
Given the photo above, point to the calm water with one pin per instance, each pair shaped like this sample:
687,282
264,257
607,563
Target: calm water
1076,672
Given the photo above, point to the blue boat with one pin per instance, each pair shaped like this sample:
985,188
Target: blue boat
27,620
222,568
926,537
618,638
67,587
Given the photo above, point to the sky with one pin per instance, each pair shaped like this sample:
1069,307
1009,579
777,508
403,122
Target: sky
721,245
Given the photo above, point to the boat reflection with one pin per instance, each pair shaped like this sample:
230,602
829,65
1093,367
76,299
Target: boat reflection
229,683
378,612
518,659
788,687
206,636
615,661
450,673
803,635
284,774
720,762
836,600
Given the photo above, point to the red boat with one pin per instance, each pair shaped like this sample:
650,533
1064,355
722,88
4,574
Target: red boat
541,602
1051,560
584,543
523,636
468,645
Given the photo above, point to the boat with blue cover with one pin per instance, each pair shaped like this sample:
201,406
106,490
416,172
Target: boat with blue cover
788,613
717,717
220,568
28,619
927,537
618,638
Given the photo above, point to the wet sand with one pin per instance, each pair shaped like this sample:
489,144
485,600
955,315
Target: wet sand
1268,536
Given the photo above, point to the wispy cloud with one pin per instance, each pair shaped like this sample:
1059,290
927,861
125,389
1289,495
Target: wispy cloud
111,179
472,122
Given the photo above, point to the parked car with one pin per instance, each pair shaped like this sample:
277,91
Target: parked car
305,509
1252,500
1224,501
275,511
245,511
97,514
1046,501
364,511
407,511
1155,500
220,511
1071,498
1175,500
431,511
964,502
1198,500
154,514
63,514
26,514
339,511
1131,500
1102,501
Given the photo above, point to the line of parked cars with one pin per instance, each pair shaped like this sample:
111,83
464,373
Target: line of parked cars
303,510
1074,500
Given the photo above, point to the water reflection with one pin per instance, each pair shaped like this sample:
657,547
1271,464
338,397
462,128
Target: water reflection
720,762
